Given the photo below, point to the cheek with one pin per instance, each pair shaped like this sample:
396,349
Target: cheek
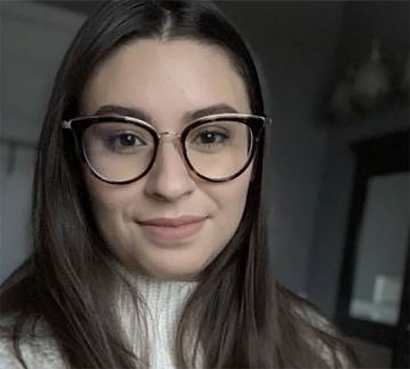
107,202
97,195
232,198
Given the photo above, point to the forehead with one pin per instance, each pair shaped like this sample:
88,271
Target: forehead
165,80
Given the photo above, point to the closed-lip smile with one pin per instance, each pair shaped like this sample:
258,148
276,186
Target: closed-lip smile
172,222
172,229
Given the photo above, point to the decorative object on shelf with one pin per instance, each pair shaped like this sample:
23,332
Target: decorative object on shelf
368,87
373,82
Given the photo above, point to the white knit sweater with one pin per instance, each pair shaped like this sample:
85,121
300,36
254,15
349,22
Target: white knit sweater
164,301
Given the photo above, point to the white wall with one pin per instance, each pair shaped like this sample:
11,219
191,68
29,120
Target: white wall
15,187
34,38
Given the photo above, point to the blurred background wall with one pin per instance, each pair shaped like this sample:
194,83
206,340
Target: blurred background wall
33,39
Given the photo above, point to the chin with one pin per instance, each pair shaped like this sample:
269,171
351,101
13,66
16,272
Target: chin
171,275
171,263
177,271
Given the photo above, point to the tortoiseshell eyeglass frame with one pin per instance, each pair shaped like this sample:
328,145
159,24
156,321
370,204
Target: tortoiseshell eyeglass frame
79,125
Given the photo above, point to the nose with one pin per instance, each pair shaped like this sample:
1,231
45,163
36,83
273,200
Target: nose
169,179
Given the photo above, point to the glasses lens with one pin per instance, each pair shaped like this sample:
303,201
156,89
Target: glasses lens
118,151
220,149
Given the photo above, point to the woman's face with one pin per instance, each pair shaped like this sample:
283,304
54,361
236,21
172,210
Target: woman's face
168,82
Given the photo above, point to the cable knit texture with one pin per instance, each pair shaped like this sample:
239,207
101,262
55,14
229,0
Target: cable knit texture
164,302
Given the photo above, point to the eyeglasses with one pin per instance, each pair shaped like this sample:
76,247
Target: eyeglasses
122,149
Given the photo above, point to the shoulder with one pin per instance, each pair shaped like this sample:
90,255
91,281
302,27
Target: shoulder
321,335
324,338
7,359
38,350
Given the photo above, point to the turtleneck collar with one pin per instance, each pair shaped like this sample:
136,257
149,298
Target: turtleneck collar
152,290
162,305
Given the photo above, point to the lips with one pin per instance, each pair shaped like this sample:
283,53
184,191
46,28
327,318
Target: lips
172,222
171,229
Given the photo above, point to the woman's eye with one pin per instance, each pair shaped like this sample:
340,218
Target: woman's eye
128,139
211,138
125,142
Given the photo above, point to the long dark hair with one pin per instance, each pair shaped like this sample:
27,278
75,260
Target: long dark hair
241,316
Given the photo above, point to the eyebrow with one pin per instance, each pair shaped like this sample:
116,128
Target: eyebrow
209,110
122,110
188,117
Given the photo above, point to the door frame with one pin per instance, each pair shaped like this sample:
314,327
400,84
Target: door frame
382,155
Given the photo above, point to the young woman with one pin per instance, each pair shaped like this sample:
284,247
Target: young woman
148,225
